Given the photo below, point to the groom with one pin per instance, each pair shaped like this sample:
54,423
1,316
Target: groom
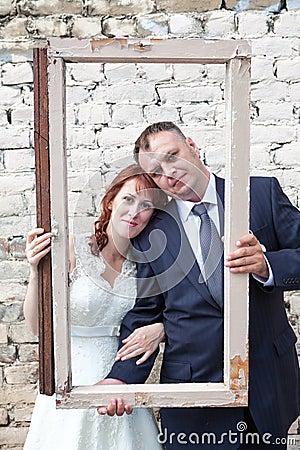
169,291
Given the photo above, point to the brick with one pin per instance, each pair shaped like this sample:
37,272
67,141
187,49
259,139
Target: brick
81,224
177,6
119,27
198,113
205,136
152,25
294,90
189,72
274,46
14,270
7,8
118,136
13,312
17,247
262,69
183,25
3,246
251,4
9,95
15,28
259,156
155,113
45,8
12,291
21,413
119,7
3,416
120,73
291,178
82,158
123,115
133,93
155,72
252,24
19,374
18,394
12,137
288,69
93,114
20,333
87,27
19,160
8,354
295,304
15,223
79,136
77,95
261,91
47,26
178,95
84,73
275,112
287,154
22,114
80,203
220,24
4,116
288,24
294,442
14,74
28,353
78,181
214,157
12,205
12,435
268,135
3,333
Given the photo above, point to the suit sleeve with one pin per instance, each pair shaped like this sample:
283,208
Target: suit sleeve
285,261
147,310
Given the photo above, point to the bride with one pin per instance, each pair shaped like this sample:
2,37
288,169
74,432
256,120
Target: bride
102,290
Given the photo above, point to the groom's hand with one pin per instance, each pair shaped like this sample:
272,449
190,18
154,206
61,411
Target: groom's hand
116,406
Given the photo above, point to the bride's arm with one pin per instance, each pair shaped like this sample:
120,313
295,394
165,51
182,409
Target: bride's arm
36,248
143,341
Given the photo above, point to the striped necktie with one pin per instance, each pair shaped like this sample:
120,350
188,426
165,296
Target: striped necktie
212,254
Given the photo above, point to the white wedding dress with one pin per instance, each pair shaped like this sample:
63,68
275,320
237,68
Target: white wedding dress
97,310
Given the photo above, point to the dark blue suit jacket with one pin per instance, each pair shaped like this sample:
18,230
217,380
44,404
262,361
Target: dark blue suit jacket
168,291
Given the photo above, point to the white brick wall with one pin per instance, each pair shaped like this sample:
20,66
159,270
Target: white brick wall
108,106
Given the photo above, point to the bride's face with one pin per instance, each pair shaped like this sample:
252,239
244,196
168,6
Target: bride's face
131,210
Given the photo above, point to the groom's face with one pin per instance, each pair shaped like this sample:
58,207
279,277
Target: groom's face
174,164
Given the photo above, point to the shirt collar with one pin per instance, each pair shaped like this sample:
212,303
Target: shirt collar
185,206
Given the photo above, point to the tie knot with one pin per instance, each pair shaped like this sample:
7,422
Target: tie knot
200,209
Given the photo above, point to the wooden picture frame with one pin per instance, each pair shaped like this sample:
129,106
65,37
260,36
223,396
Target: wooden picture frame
233,391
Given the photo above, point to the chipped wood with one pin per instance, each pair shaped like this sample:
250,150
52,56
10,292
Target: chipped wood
41,148
236,55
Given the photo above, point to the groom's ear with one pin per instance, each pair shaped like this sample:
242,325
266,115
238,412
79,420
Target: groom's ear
192,145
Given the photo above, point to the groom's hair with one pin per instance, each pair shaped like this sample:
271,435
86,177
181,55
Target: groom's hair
142,143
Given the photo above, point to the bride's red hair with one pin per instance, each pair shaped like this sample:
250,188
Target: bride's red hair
143,181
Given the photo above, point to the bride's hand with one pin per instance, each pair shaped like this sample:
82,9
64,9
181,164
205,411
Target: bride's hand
143,341
37,246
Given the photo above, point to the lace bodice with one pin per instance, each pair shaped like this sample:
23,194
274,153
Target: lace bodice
93,302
